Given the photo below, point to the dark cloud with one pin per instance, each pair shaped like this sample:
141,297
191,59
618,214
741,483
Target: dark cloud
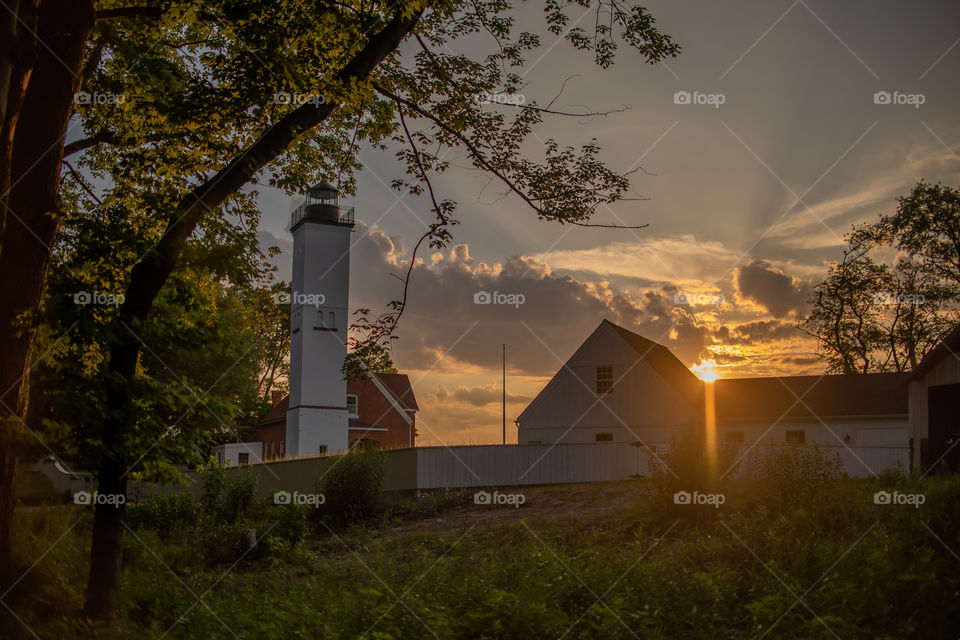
477,396
773,289
757,332
444,326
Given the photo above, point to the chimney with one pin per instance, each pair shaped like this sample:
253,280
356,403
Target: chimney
276,396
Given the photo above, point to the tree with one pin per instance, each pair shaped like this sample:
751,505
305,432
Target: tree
200,119
873,315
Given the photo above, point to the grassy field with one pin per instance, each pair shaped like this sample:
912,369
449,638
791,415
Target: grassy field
616,560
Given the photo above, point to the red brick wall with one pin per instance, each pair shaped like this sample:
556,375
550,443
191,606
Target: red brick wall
373,408
274,434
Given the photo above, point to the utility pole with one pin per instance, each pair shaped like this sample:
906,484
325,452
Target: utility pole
504,400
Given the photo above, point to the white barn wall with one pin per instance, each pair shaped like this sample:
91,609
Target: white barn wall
569,396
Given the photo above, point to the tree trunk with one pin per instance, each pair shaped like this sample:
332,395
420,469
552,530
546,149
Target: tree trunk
37,108
106,553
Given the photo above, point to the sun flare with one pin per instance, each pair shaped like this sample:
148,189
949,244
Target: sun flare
706,370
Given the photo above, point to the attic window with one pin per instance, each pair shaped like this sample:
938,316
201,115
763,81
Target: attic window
352,405
604,437
604,379
795,437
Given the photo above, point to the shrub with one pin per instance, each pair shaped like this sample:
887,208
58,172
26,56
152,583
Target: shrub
352,487
169,515
226,498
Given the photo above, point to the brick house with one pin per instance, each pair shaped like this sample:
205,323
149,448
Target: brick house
382,409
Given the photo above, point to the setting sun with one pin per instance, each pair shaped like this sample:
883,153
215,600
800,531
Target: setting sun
706,370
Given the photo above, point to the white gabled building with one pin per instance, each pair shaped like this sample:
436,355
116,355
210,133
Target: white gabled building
619,386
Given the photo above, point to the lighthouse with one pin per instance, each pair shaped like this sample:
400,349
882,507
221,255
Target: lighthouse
318,419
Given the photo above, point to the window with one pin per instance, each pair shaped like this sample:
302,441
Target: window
270,449
604,437
604,379
332,320
243,458
322,449
281,448
352,405
734,436
795,437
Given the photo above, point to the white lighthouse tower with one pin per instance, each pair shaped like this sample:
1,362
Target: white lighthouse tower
317,421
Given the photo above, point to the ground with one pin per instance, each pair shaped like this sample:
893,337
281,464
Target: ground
608,560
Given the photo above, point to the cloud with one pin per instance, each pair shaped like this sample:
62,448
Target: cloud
541,316
681,259
770,287
478,396
757,332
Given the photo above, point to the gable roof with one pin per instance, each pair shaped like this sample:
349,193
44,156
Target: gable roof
871,394
398,384
948,345
666,364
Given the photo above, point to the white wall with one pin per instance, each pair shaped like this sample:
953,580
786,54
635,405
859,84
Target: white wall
504,465
568,410
230,453
318,339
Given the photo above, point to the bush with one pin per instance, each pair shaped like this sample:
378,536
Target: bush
227,498
352,487
792,472
170,516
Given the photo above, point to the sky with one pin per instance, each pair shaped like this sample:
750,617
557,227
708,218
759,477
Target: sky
779,126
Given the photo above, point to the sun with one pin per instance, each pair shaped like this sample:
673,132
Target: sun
706,370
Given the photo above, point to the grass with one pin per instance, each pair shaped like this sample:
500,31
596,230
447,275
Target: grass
614,560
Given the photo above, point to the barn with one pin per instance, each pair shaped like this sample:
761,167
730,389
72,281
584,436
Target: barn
622,387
